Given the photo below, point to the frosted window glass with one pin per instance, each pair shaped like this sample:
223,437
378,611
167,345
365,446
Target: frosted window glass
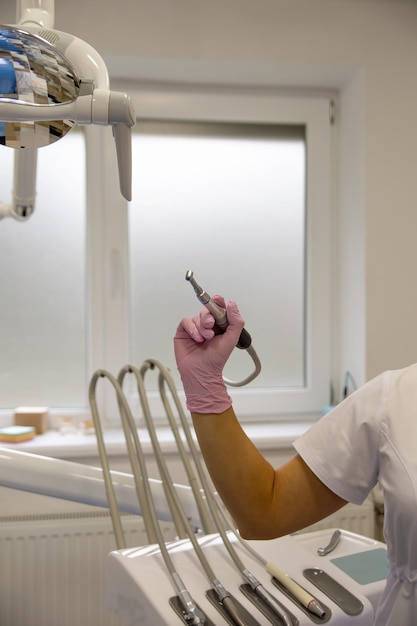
42,277
228,202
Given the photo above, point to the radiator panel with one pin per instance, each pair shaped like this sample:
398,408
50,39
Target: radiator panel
53,569
358,519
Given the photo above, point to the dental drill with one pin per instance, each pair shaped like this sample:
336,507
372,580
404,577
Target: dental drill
219,314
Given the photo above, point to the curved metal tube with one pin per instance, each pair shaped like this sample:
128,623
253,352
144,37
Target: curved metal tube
165,380
192,613
130,369
140,474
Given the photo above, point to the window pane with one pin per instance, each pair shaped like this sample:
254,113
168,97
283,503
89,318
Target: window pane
42,276
228,202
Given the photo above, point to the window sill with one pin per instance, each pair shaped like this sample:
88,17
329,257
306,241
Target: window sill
266,436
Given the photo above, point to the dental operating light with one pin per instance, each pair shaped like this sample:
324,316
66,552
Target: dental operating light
50,81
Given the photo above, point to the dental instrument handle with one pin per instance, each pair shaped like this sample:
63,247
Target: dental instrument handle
333,543
193,615
267,597
303,596
218,312
220,316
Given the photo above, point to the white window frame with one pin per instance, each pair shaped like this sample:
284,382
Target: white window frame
108,242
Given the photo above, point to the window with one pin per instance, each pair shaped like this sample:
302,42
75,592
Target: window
42,276
97,284
243,200
227,201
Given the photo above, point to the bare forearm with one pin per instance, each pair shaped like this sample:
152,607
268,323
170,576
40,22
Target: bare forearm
241,475
264,502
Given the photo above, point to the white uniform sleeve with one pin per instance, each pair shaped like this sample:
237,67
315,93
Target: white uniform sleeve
342,447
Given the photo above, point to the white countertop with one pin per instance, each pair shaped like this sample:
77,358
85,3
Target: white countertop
270,435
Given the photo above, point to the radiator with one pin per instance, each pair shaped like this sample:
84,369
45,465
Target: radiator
52,567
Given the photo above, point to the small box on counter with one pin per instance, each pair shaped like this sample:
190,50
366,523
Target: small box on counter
35,416
16,434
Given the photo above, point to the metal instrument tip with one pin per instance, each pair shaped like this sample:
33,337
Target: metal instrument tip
189,275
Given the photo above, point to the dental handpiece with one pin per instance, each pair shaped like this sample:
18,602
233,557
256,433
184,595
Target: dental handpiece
218,312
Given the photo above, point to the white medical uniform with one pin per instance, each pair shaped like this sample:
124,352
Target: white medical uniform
372,436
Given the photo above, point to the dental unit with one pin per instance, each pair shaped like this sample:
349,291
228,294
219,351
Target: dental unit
140,571
147,575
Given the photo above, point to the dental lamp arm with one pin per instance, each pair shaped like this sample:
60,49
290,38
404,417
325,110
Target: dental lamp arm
116,107
98,106
40,13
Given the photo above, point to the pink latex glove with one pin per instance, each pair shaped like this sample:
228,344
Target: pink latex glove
201,355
